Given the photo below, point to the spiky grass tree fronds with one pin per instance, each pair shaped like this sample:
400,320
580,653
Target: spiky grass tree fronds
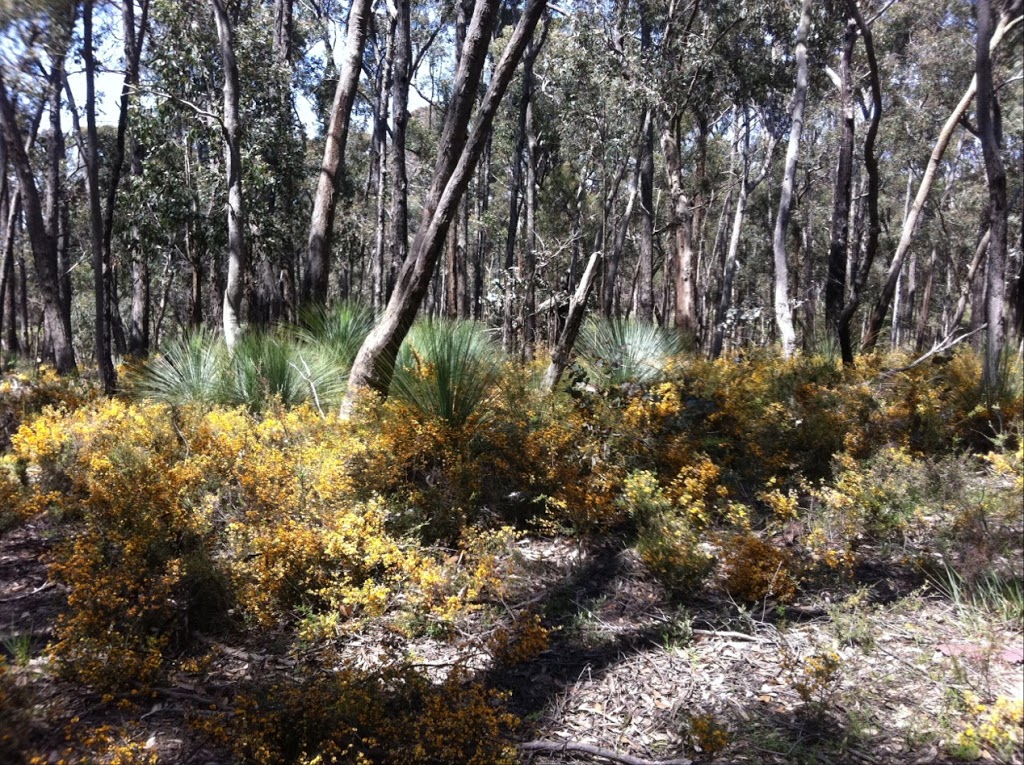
269,366
190,370
446,369
614,352
339,330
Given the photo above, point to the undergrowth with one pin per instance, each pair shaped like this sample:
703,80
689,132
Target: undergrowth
760,478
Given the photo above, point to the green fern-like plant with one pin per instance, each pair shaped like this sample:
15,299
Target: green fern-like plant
338,331
614,352
269,366
189,370
446,369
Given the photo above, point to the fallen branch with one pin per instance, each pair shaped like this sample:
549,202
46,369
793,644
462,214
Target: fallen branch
728,634
553,747
947,343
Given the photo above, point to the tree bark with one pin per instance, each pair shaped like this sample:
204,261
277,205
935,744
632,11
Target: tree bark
835,283
134,42
283,31
232,134
685,311
881,307
645,275
108,377
11,216
315,278
783,309
926,299
398,235
989,130
44,247
457,158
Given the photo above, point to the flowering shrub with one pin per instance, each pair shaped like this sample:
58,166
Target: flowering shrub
708,735
997,728
755,569
182,516
392,715
667,539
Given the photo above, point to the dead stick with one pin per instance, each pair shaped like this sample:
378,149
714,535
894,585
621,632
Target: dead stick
553,747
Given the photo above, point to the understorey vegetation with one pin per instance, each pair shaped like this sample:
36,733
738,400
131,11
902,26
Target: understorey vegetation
388,568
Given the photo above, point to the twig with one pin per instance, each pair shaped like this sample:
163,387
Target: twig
41,588
553,747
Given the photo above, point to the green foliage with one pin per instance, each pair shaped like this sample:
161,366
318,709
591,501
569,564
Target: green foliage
272,366
339,330
613,352
264,367
667,541
446,370
190,369
989,594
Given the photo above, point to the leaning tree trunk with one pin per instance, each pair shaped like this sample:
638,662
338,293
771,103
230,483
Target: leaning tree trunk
881,307
783,309
108,377
457,158
44,247
995,171
318,248
232,132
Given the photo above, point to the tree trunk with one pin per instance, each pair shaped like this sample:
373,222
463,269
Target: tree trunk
573,322
881,307
108,377
645,273
873,185
399,184
990,131
514,209
283,31
838,260
457,158
134,42
232,134
783,309
318,248
44,247
380,266
731,256
926,299
680,222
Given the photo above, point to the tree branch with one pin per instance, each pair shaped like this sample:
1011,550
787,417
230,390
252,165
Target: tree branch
554,747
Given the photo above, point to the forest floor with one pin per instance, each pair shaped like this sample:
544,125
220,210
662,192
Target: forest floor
901,669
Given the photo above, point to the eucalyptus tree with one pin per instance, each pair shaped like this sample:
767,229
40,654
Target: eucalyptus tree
108,377
783,307
915,209
459,151
231,129
839,309
989,130
43,242
317,261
